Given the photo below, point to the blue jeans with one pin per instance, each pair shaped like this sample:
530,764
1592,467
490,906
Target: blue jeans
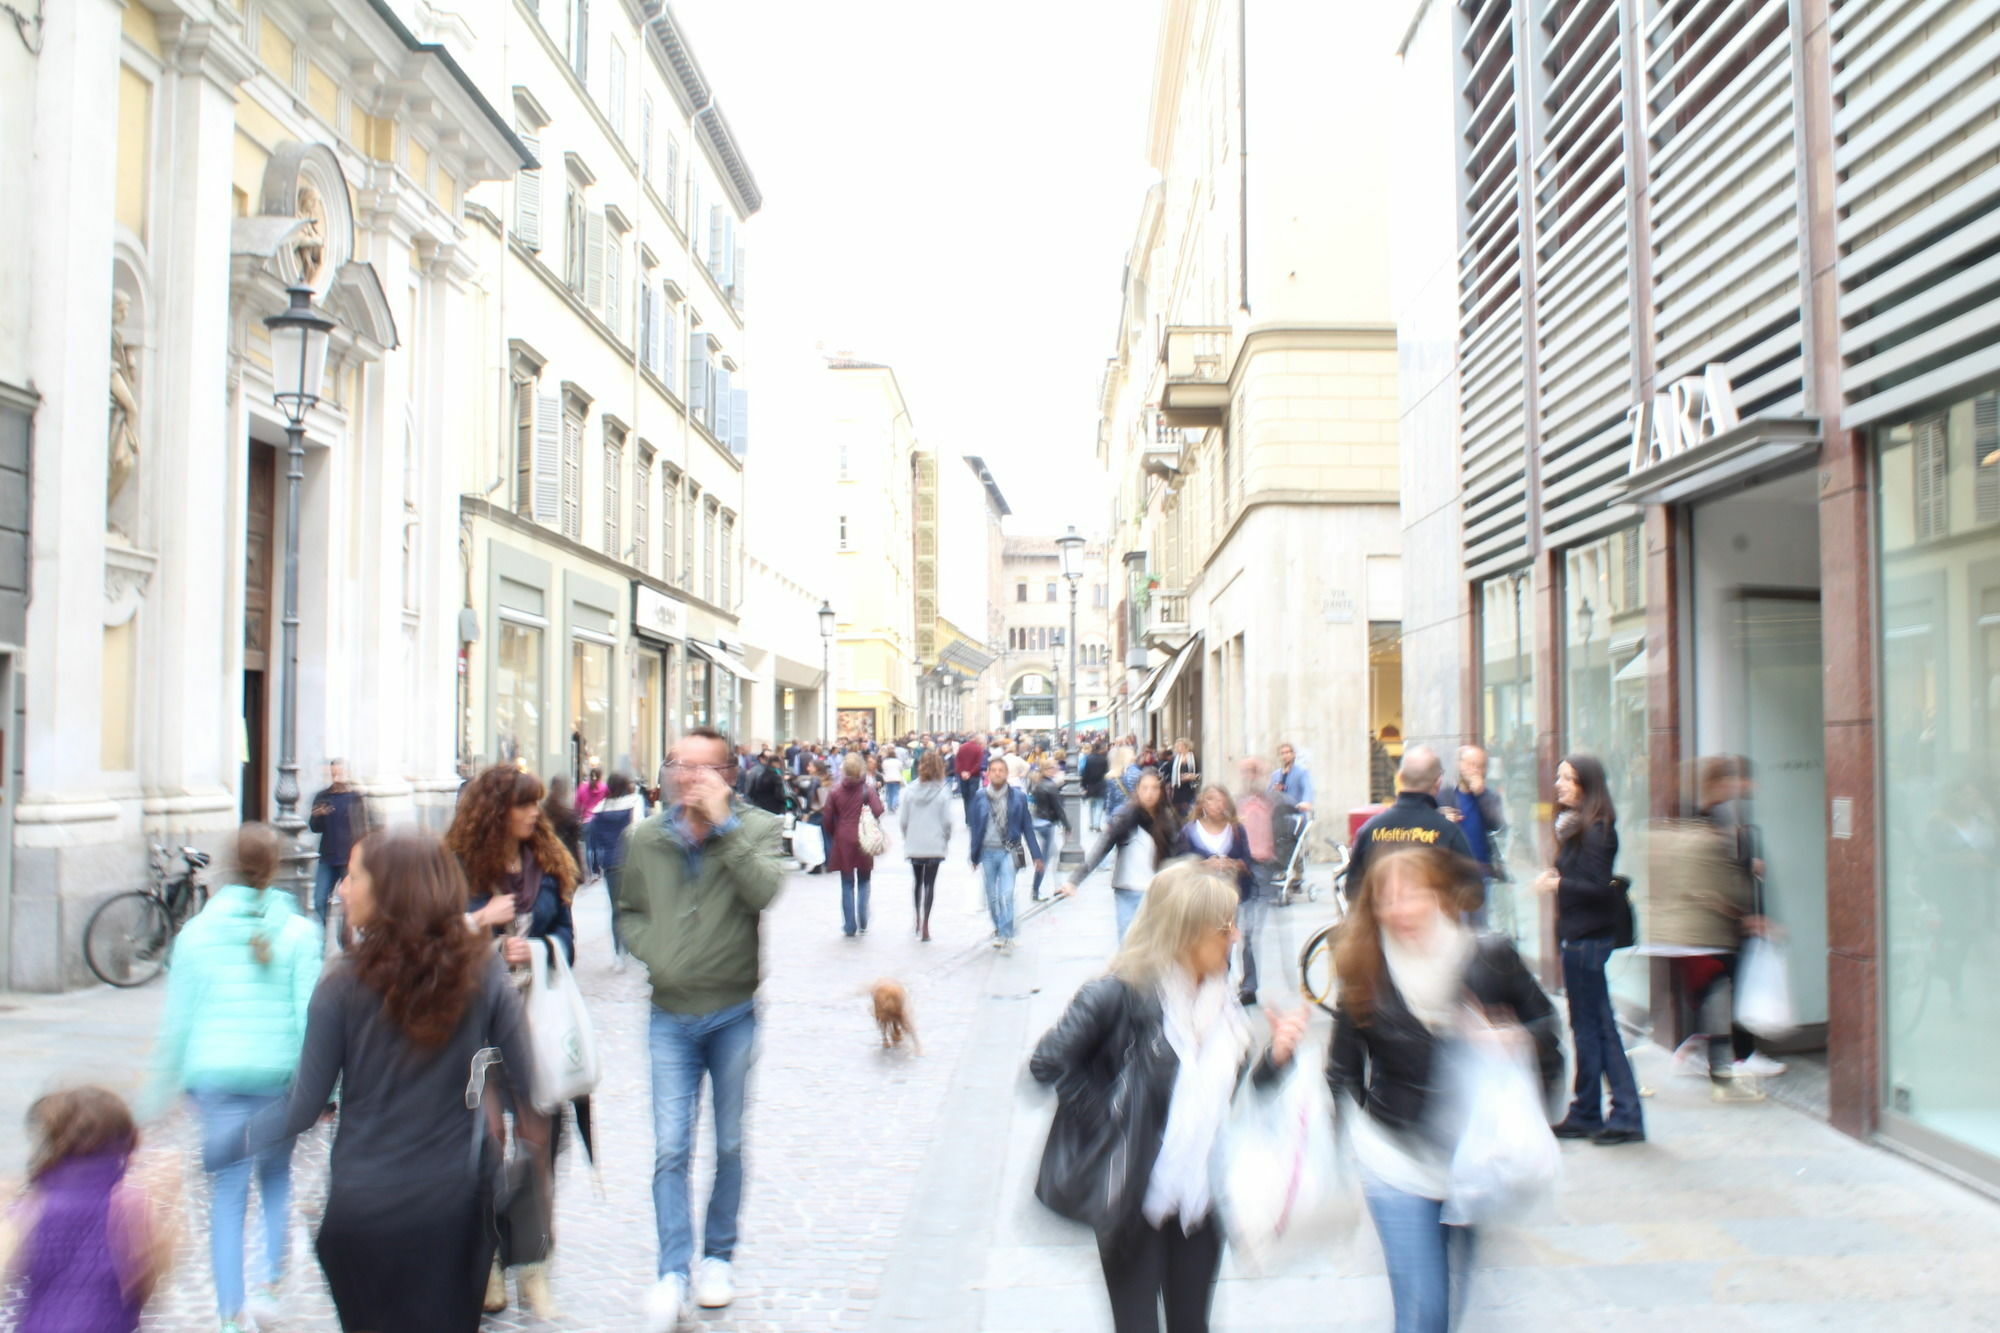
683,1047
326,878
223,1117
1044,831
1127,901
892,794
1093,813
996,869
1422,1255
1600,1050
853,901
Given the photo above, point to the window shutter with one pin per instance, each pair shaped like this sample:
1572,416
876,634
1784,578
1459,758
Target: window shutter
548,457
646,140
697,389
687,534
715,241
739,422
616,92
666,325
1986,457
528,196
736,280
593,261
579,51
646,337
1933,500
720,426
572,477
673,176
613,281
642,489
614,464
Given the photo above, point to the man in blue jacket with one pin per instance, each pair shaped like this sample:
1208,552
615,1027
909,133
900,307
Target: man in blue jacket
997,822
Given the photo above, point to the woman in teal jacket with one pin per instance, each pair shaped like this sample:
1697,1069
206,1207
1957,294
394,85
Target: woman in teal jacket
242,977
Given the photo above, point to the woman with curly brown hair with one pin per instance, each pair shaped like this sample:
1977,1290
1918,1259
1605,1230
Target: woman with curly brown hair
520,879
396,1022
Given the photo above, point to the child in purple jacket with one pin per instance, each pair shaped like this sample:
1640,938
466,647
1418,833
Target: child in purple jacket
87,1245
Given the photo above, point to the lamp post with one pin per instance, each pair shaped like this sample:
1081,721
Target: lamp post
298,364
1070,544
826,619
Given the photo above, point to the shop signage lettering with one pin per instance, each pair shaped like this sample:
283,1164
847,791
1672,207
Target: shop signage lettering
1689,412
657,614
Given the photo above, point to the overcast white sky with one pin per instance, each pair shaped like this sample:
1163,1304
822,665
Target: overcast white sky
949,188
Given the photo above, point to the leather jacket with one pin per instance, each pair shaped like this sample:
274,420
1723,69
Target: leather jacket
1388,1064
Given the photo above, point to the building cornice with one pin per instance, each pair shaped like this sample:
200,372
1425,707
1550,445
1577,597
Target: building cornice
699,96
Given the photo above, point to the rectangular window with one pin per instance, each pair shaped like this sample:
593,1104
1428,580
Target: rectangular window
673,176
688,497
572,475
728,559
843,532
1051,593
579,39
1508,722
1604,709
573,237
708,551
670,339
613,280
646,139
590,703
528,193
1020,592
615,91
614,468
642,492
517,695
843,462
647,335
524,448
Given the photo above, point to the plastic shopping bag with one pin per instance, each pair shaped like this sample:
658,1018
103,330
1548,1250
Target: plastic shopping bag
561,1042
1506,1158
1764,989
1282,1182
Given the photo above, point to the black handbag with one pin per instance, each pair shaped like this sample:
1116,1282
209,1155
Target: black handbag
1105,1135
514,1187
1625,930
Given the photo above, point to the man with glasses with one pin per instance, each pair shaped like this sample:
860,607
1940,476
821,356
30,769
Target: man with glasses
697,879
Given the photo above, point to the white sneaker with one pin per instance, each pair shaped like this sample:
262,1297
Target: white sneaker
263,1308
1759,1065
1691,1058
667,1304
712,1288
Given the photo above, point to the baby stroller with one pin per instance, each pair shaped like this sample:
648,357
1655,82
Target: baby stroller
1291,832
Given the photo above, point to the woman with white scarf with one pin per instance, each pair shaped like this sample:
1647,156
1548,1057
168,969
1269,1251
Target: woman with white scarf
1414,983
1166,1005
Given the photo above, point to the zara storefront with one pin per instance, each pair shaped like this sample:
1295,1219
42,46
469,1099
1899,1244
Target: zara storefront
1711,464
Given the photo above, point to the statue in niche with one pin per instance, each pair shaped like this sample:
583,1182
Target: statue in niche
309,241
123,457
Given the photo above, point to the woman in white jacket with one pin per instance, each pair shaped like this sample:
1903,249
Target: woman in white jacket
925,816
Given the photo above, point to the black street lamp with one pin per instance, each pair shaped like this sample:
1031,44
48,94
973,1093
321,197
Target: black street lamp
826,627
298,365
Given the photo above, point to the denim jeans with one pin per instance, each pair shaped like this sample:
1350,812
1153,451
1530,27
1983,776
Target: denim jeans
684,1047
892,794
1127,902
613,875
326,878
1044,829
1249,916
996,869
1423,1257
1600,1050
853,901
223,1117
1093,813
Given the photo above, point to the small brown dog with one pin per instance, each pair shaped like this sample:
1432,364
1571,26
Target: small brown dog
892,1014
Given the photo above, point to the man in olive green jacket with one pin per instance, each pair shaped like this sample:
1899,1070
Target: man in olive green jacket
696,879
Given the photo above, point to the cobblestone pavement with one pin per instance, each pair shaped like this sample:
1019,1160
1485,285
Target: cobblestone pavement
837,1126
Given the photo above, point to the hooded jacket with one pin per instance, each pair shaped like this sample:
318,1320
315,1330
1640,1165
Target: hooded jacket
925,816
232,1023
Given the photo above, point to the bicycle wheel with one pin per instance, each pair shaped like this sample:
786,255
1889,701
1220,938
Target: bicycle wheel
1316,981
127,938
188,903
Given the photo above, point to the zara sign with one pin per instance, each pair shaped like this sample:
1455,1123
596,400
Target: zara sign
1689,412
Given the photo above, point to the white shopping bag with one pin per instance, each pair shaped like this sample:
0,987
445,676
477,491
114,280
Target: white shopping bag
1764,989
1506,1158
561,1041
1283,1184
808,845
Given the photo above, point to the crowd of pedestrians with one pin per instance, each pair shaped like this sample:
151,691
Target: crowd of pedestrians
428,1029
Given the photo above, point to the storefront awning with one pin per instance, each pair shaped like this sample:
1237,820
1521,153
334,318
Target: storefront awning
1165,686
726,662
1725,462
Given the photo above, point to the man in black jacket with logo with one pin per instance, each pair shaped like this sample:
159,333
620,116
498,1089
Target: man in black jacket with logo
1414,819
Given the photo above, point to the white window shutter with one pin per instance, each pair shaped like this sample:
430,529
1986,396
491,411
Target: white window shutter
612,281
736,280
644,335
528,196
616,91
673,176
646,139
572,477
670,331
548,457
593,261
739,422
614,465
719,425
715,240
697,386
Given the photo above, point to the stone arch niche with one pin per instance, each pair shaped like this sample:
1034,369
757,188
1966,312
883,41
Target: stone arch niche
132,341
304,181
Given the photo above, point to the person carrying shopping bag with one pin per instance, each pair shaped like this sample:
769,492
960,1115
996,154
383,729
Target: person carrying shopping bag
237,996
842,812
1145,1063
1415,982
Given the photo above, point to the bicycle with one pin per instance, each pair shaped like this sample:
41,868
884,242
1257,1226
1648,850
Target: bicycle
1316,978
129,937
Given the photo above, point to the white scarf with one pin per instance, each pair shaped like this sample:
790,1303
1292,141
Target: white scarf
1208,1033
1430,975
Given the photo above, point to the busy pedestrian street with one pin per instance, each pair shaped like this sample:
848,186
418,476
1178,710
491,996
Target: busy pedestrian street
893,1190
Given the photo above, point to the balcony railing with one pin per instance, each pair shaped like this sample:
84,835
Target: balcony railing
1195,388
1166,621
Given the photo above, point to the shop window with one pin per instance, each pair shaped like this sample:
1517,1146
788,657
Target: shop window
517,695
590,706
1507,728
1604,708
